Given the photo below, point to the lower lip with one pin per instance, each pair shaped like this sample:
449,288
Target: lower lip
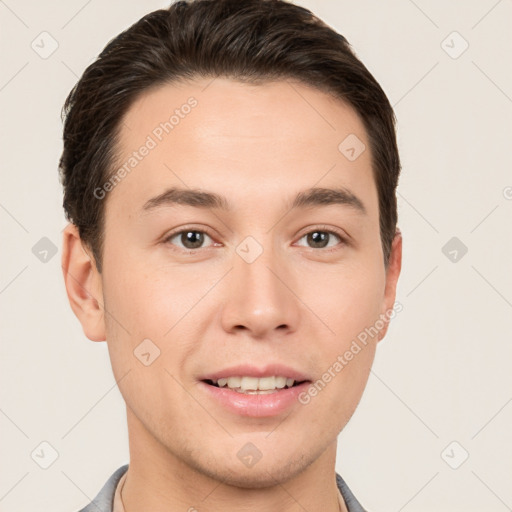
253,405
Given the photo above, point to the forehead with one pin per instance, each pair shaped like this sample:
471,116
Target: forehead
246,140
227,108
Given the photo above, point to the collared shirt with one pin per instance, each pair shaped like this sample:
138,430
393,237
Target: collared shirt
109,498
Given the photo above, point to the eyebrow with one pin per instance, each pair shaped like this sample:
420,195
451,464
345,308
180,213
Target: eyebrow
327,196
209,200
189,197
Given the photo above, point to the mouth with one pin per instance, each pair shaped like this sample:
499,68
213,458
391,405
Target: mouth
242,396
249,379
249,385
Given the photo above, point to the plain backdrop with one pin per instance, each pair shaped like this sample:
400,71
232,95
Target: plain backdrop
432,432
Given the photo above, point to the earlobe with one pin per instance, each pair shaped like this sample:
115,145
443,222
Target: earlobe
83,285
392,274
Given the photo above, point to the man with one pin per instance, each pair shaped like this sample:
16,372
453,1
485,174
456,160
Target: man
229,170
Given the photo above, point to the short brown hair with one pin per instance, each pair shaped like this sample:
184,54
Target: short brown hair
246,40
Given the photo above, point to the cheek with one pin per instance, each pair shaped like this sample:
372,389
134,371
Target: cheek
352,304
160,305
148,302
349,300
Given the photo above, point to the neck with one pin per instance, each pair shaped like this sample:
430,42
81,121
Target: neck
159,481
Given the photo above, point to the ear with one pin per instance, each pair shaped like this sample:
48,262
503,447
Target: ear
392,273
83,284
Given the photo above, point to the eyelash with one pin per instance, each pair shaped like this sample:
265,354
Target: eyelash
319,229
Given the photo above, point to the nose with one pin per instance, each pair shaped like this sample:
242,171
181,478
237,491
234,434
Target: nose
261,297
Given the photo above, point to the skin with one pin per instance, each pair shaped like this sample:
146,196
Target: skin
296,303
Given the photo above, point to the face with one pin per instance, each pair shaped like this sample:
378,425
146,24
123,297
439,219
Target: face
260,272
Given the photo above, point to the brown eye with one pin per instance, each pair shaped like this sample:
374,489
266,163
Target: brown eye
189,239
321,239
318,239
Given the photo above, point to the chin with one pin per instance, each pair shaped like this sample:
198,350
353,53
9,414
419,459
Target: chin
263,474
250,478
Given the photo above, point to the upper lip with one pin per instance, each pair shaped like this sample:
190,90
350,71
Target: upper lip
247,370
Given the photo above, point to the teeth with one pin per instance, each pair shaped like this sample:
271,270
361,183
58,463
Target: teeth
254,384
265,383
248,383
281,382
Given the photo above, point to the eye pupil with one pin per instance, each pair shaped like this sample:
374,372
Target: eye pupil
192,239
318,238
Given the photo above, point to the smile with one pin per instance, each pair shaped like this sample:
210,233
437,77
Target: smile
254,385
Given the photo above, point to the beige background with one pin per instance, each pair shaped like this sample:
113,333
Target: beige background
443,372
